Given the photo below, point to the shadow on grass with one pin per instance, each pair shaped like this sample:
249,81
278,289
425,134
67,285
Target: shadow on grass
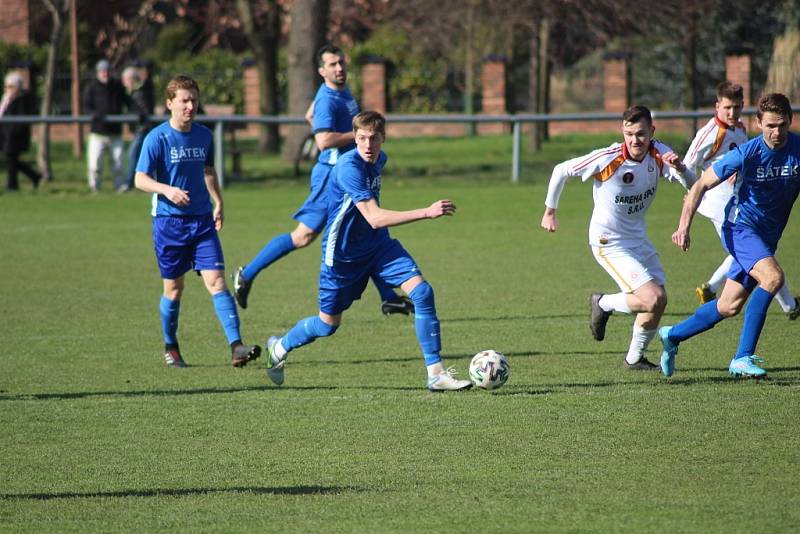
187,492
198,391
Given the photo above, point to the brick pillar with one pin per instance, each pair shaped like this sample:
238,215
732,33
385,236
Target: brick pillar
15,22
373,84
493,93
616,82
252,91
737,70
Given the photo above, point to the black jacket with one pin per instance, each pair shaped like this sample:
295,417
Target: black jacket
100,100
15,138
143,103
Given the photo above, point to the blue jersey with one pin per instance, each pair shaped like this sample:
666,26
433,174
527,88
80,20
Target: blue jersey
333,112
349,237
767,186
177,158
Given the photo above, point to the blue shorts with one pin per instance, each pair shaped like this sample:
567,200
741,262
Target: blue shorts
185,243
747,249
314,211
343,283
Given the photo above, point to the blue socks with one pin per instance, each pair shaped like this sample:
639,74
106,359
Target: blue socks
755,314
279,247
169,310
306,331
228,317
704,318
426,323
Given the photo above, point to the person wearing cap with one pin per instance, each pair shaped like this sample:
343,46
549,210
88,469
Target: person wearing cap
104,96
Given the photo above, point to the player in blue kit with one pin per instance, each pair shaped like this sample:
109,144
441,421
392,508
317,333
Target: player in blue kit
332,118
357,246
177,165
766,188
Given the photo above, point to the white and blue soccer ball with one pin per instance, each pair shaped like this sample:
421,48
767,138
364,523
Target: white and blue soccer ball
489,369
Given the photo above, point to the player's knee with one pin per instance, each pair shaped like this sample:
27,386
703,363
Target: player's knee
730,308
774,280
216,285
422,295
323,329
303,238
174,293
654,301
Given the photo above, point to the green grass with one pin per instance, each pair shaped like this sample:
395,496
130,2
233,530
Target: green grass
100,436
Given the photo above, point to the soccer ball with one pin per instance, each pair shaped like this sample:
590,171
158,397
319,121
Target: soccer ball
489,369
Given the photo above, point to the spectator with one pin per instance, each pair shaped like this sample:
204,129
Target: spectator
142,100
15,138
104,96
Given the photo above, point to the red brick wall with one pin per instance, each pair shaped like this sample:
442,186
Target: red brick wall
737,70
615,85
373,83
14,23
493,95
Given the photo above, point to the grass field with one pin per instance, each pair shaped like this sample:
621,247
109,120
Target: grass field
99,436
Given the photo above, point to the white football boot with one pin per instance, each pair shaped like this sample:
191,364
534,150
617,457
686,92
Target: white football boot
275,365
446,381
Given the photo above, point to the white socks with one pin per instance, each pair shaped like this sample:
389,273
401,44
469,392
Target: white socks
785,298
435,369
278,350
717,279
640,339
616,302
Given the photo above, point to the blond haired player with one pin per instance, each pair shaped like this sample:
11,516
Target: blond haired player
625,179
723,133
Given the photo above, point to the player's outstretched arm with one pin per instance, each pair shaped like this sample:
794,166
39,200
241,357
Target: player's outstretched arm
378,217
708,180
175,195
685,175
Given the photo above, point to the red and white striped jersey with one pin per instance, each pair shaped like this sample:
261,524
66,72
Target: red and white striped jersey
710,144
623,190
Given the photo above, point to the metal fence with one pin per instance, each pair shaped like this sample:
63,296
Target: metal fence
515,120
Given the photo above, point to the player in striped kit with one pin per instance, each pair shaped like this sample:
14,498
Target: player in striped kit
723,133
625,179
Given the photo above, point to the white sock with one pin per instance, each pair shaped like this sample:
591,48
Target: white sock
785,298
435,369
721,274
616,302
640,339
279,351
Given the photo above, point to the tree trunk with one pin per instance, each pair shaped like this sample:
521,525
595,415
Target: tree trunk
535,139
307,35
543,96
263,39
469,67
690,66
57,13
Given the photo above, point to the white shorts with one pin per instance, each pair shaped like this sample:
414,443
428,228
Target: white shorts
631,267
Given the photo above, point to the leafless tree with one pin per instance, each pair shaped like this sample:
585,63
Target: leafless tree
58,14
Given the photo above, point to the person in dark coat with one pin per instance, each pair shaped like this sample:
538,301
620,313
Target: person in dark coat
143,101
104,96
15,138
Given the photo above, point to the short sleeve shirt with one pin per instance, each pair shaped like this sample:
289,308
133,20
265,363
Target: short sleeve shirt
333,112
348,236
178,159
767,186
